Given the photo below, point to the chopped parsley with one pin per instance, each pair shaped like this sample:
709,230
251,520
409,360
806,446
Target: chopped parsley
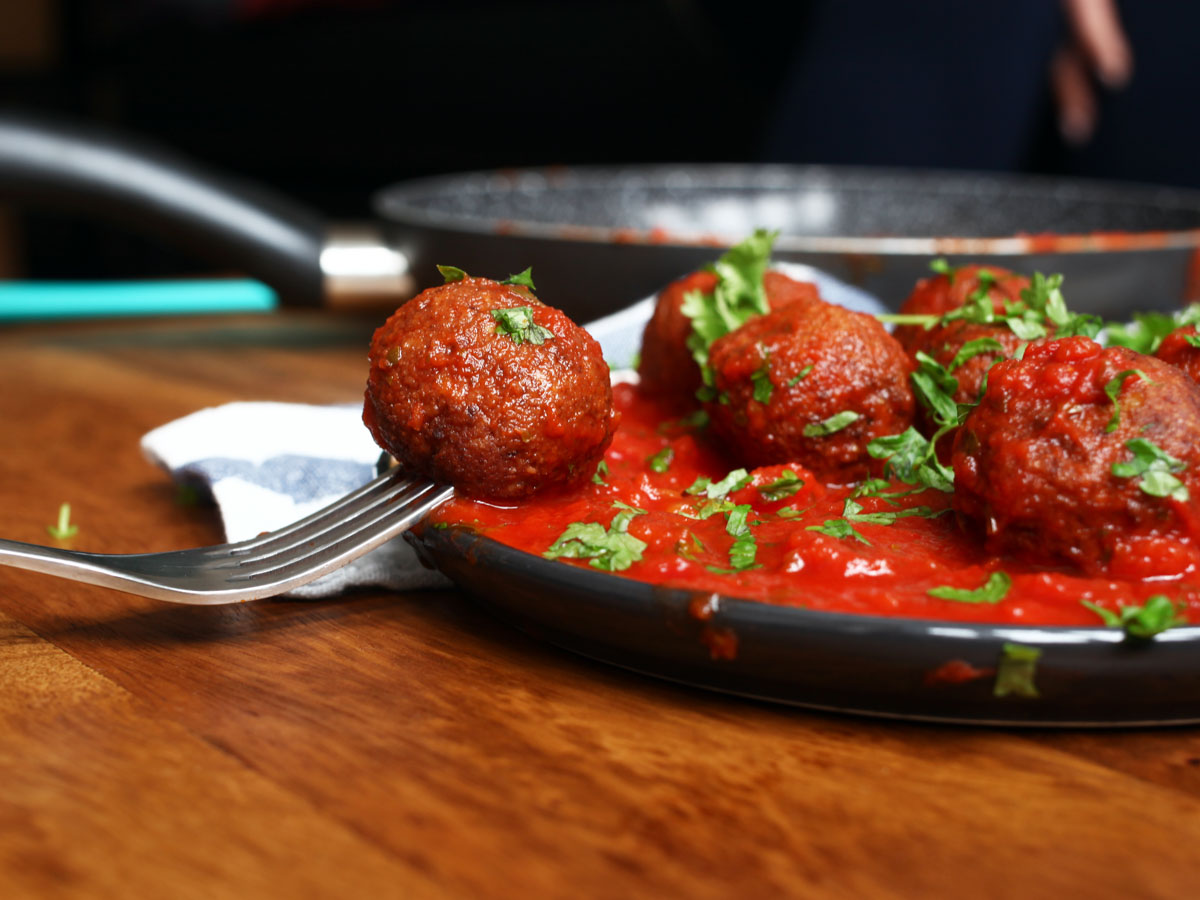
1016,671
800,376
734,481
971,349
523,279
910,457
993,591
744,548
935,388
852,511
661,461
452,273
943,267
761,378
601,471
63,528
738,296
832,425
1143,621
611,550
517,323
1113,388
1156,468
787,484
838,528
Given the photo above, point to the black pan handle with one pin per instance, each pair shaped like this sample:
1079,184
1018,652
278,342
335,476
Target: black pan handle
234,224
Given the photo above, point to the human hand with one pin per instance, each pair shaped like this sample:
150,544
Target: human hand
1096,50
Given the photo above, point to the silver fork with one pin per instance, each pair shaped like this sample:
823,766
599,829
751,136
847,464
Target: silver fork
264,566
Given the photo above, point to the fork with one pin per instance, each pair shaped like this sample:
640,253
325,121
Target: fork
269,564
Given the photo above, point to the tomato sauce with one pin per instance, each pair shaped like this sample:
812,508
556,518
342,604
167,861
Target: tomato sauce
878,569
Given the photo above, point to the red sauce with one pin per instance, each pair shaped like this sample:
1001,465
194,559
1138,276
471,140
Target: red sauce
889,576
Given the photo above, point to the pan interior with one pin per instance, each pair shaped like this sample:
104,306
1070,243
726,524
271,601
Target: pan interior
694,202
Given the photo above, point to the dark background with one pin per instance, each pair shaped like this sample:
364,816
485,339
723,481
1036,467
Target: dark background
329,101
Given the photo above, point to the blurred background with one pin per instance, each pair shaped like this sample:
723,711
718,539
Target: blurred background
330,100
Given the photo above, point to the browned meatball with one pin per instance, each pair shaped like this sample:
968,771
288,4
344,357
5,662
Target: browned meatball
1034,462
1177,349
811,383
667,367
480,385
940,294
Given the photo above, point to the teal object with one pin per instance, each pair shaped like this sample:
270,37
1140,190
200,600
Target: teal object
31,300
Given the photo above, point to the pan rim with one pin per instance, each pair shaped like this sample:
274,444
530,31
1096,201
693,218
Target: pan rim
406,203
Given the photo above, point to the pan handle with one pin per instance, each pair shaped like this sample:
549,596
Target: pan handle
233,223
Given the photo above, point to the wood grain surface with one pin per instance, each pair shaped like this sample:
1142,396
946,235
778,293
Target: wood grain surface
384,745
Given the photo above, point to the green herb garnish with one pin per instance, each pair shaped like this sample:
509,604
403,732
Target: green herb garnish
800,376
761,378
661,461
524,279
601,471
1156,468
1016,671
833,424
993,591
971,349
738,296
1113,388
63,529
1142,621
452,273
612,549
838,528
787,484
517,323
734,481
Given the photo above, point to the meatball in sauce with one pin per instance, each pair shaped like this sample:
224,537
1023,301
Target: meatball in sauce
480,385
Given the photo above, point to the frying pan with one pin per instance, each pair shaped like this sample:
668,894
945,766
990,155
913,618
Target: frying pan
600,237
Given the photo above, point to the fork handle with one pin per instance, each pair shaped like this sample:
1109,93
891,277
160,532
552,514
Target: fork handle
64,563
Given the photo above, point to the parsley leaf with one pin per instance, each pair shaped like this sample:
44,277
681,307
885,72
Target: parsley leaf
452,273
734,481
761,378
739,293
910,457
1113,388
787,484
1143,621
610,550
517,323
1156,468
838,528
993,591
524,279
942,267
833,424
661,461
800,376
63,529
601,471
936,387
974,348
852,511
1016,671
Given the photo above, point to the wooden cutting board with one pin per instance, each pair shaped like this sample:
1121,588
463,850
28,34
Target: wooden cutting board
391,745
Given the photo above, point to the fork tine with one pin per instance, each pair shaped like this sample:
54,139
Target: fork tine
293,540
381,484
344,535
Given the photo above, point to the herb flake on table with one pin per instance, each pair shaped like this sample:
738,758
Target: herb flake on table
63,529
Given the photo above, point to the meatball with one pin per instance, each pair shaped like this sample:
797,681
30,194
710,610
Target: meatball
811,383
945,344
667,367
481,385
1179,351
940,294
1034,462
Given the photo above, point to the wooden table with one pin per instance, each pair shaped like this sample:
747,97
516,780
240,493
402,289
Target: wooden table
385,745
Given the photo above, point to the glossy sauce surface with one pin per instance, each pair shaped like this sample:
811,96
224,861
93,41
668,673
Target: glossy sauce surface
884,570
